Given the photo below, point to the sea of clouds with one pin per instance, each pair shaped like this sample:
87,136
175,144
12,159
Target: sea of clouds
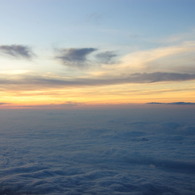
135,151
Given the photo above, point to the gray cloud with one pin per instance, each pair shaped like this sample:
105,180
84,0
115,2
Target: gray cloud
183,103
3,103
66,105
16,51
33,82
106,57
174,103
162,76
75,57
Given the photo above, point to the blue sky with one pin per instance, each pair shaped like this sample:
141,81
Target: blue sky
90,22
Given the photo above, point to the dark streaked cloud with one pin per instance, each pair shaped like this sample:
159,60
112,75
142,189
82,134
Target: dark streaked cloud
49,82
174,103
17,51
75,57
163,76
155,103
66,105
183,103
3,103
70,104
106,57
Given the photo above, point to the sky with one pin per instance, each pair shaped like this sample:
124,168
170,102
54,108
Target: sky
71,53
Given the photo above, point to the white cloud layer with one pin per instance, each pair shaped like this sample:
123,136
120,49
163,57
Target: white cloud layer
135,151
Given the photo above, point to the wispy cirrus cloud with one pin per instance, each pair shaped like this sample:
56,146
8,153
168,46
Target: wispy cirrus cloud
18,51
75,57
162,59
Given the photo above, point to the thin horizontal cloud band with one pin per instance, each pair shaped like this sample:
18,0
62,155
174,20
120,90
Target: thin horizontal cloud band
132,78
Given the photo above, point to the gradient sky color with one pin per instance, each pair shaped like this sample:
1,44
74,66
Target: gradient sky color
67,53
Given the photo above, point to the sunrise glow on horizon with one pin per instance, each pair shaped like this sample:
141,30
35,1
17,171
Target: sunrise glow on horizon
77,53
